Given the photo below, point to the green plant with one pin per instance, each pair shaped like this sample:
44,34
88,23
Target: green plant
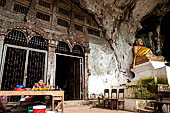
148,88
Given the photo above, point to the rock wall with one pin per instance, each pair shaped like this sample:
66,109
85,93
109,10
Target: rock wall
110,58
101,64
109,64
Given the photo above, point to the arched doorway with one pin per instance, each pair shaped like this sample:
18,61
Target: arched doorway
24,62
69,70
165,34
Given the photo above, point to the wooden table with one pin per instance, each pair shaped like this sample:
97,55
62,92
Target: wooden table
56,95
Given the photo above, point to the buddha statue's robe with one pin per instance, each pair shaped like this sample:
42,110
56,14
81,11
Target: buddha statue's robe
142,51
145,54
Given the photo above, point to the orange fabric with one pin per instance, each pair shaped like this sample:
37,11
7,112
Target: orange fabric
141,52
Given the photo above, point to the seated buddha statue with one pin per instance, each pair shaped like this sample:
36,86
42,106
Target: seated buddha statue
143,54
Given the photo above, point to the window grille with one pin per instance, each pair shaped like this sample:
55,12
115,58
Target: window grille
43,16
78,27
77,50
63,47
16,38
15,60
63,11
45,4
38,42
62,23
20,8
13,68
93,32
79,17
35,69
2,3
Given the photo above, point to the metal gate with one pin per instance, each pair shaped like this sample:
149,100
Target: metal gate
23,62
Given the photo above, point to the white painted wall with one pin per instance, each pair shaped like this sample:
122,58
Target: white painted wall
102,67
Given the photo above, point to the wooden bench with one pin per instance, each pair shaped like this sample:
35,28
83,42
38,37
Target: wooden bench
162,100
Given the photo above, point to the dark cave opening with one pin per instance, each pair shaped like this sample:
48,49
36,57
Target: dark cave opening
149,33
165,35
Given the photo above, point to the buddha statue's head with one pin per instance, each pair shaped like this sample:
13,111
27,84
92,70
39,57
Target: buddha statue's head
139,42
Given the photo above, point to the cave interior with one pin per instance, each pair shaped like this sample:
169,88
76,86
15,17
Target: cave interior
155,34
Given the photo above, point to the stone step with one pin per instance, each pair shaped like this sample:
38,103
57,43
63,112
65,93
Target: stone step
145,111
149,108
76,103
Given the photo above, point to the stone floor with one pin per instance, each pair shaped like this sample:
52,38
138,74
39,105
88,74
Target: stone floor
87,109
76,107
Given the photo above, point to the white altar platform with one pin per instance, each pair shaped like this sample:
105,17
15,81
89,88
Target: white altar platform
152,69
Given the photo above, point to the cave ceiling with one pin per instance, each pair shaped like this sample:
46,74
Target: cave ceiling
124,10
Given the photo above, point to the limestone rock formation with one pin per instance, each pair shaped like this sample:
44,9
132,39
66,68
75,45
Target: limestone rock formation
120,20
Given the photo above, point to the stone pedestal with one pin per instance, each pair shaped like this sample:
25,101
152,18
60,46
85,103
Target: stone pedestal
152,69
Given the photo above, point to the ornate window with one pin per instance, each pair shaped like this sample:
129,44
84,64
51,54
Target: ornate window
63,47
38,42
20,8
63,23
16,59
2,3
43,16
93,32
77,50
44,4
78,27
64,11
16,38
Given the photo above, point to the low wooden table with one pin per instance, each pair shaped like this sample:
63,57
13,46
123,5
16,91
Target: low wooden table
56,95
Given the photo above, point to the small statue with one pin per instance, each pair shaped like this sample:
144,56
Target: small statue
143,54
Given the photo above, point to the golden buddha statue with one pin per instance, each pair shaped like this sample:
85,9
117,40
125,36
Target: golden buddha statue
143,54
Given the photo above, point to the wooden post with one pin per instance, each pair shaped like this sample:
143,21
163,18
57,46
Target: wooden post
51,63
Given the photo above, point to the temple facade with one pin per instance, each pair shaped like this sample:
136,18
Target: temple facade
49,40
80,46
